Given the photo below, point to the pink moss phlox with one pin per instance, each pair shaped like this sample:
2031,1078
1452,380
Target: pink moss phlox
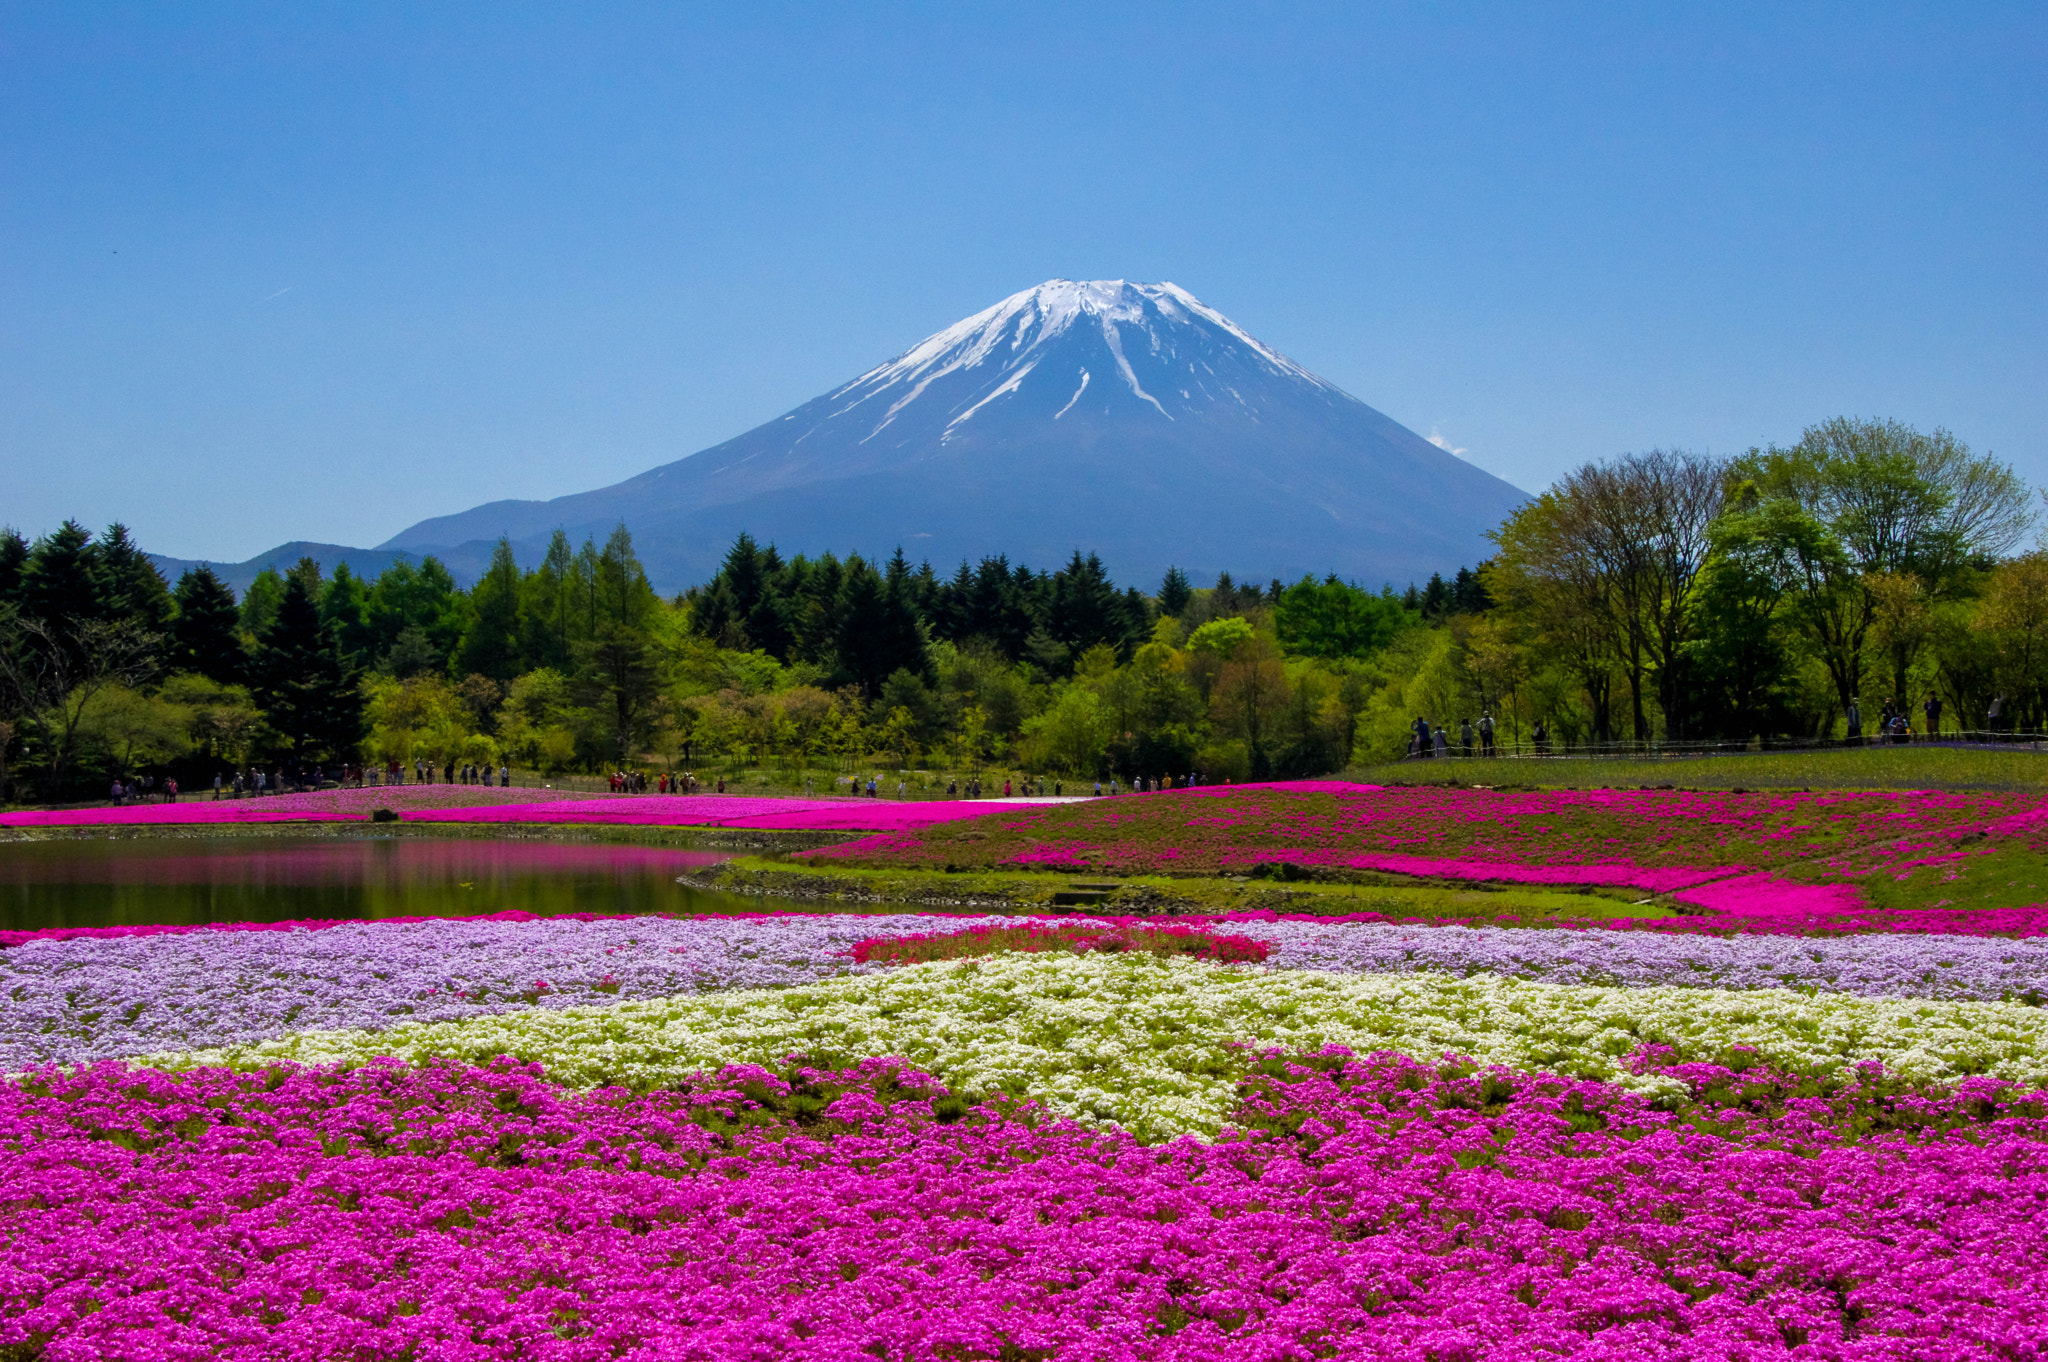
1368,1207
1103,935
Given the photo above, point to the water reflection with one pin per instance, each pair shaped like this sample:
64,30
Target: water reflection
87,883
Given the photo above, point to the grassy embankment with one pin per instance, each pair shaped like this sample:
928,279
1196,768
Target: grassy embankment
966,866
1394,896
1910,767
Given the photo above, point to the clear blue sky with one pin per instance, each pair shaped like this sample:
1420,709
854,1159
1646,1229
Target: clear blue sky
272,272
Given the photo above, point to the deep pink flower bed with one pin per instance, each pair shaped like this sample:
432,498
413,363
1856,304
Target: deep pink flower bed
1371,1208
1778,861
1110,938
1222,829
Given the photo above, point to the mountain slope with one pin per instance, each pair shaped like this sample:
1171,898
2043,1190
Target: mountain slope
362,562
1128,419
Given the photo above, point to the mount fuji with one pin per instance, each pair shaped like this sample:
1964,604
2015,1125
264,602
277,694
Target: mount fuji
1127,419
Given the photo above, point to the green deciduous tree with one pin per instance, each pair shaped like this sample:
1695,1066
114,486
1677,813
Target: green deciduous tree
1334,619
1856,501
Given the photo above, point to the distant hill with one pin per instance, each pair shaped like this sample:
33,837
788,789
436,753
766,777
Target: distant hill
362,562
1126,419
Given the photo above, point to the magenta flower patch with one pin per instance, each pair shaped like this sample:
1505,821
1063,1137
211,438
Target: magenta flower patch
1364,1208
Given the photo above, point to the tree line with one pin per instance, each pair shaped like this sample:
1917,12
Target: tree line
1675,597
1654,597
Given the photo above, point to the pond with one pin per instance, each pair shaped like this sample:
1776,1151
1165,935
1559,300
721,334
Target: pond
85,882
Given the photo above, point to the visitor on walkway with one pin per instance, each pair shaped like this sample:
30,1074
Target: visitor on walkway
1994,717
1932,710
1542,737
1441,741
1464,737
1485,735
1855,738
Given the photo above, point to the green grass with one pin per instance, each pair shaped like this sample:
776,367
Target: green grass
1857,768
1032,891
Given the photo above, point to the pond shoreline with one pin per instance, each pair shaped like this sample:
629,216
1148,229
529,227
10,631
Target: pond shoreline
700,838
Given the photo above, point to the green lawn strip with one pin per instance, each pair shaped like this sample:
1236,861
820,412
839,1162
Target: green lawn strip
1392,896
1907,767
2001,872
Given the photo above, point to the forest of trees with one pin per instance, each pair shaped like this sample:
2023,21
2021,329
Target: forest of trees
1653,598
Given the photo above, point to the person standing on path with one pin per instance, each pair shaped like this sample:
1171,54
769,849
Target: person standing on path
1485,735
1932,709
1855,738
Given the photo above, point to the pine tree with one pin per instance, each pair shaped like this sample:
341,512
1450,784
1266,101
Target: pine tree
721,611
617,663
13,563
1085,609
128,584
308,692
1436,598
204,632
767,622
345,609
58,585
544,610
875,633
1175,593
260,602
490,647
1468,593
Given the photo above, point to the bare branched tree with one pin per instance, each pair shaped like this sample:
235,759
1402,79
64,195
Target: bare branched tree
1642,522
53,677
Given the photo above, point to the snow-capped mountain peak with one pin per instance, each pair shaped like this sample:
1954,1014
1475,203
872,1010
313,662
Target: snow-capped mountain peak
1165,347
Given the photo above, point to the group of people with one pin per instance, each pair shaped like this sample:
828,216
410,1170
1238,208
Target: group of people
142,789
393,773
1893,725
1027,788
248,783
1434,740
254,782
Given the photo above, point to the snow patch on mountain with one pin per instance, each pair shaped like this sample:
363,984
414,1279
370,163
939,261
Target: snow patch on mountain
1075,398
1155,319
